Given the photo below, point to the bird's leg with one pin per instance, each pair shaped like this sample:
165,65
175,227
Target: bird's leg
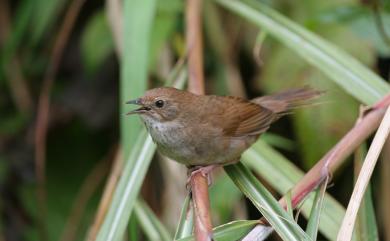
204,170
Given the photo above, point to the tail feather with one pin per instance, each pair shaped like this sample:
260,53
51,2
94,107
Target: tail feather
284,102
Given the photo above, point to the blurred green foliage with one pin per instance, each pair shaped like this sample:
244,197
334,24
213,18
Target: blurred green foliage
96,42
86,108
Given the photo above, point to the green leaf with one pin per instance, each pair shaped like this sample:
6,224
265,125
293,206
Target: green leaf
18,32
133,228
136,144
152,227
138,27
366,28
96,42
46,14
282,175
127,190
290,210
351,75
279,219
278,141
221,188
164,23
361,20
133,175
11,125
230,231
315,213
185,225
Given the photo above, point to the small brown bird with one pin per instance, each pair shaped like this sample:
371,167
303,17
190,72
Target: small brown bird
209,130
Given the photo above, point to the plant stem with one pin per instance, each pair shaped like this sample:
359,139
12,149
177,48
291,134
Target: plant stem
199,183
194,46
200,195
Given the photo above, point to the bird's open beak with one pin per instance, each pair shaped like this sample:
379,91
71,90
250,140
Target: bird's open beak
142,109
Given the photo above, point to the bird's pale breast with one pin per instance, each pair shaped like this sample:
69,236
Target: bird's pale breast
195,145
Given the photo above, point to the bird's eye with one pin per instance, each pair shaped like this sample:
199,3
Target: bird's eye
159,103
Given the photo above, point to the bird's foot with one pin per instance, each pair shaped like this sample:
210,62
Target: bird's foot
203,170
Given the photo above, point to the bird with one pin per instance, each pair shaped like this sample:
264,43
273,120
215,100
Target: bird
205,131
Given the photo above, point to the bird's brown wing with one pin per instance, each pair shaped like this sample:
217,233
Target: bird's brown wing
241,117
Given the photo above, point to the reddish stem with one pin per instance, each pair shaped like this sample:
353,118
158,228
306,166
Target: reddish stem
199,183
336,156
194,47
200,196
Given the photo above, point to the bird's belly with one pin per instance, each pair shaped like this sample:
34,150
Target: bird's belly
172,141
196,149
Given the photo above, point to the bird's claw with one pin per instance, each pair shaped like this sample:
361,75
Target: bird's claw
204,171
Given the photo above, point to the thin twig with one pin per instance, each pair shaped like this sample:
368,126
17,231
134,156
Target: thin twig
369,163
199,183
44,106
88,188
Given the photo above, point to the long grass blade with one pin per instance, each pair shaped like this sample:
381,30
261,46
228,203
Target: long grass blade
136,144
289,210
133,230
282,175
127,190
45,16
150,224
138,22
185,225
339,66
315,214
230,231
133,175
280,220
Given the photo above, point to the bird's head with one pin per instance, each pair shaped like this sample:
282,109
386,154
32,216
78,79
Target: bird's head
160,104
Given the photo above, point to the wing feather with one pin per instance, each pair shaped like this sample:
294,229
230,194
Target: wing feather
241,117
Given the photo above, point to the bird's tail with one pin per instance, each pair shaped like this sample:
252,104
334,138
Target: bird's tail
283,102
